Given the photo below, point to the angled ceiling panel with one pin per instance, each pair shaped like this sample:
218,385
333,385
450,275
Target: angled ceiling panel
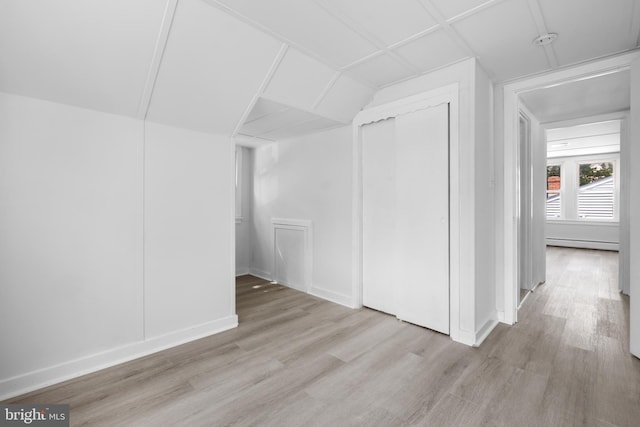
389,21
299,80
315,125
271,121
263,108
307,24
431,51
91,54
502,36
276,121
212,68
345,98
589,28
379,70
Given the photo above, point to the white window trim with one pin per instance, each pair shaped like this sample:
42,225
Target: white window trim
569,186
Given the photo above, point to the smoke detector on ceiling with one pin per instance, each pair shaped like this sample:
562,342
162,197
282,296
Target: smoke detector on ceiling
545,39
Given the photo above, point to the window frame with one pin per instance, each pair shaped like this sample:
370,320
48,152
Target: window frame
570,186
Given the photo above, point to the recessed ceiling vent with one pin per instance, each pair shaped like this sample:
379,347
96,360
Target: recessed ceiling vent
545,39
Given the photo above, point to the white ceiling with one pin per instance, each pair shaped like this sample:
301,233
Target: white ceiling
583,98
203,64
381,42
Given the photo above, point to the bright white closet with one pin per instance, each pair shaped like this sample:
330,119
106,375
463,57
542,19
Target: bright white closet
405,172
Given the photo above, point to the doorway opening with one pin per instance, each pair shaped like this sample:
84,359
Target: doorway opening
557,98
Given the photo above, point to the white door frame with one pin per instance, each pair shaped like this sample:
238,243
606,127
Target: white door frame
511,160
447,94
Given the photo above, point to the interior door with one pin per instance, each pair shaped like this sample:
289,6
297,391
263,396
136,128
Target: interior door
406,217
422,217
378,211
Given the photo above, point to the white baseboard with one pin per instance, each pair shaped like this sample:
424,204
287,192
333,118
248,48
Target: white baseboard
243,271
500,316
262,274
474,339
484,332
332,296
35,380
463,337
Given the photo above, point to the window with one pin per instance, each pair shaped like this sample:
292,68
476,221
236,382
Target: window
582,175
554,185
596,192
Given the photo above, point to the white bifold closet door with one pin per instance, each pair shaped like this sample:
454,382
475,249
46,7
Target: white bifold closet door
405,165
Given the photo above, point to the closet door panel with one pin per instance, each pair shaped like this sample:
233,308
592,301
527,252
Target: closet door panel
378,205
422,217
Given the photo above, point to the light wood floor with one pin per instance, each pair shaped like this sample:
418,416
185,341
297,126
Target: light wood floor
296,360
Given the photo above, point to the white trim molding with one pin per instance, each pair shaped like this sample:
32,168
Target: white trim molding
304,226
38,379
332,296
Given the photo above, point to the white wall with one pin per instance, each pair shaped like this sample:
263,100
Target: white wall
68,221
634,208
187,228
72,295
498,159
484,202
244,225
308,178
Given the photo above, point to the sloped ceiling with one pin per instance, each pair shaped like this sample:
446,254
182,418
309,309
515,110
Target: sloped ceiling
205,64
212,67
380,42
92,54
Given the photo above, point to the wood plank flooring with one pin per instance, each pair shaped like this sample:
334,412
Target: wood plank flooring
296,360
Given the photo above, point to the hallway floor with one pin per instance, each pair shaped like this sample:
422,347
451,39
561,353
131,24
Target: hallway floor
296,360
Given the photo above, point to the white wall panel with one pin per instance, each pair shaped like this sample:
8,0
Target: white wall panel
634,210
68,221
484,196
188,228
244,225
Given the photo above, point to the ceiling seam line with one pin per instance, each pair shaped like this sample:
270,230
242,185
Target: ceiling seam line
357,28
457,38
326,90
265,82
326,61
541,26
156,61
